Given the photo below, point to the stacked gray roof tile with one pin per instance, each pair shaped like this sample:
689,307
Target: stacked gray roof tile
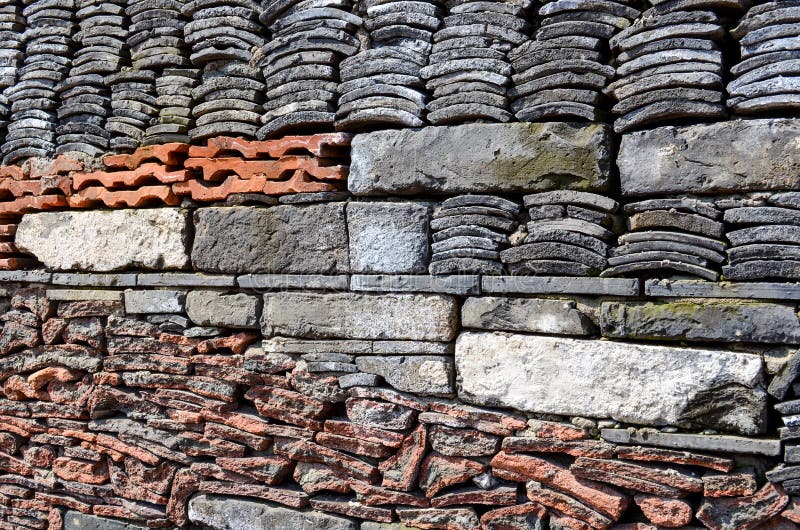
468,74
300,63
133,105
174,100
469,231
669,65
224,35
381,86
680,236
568,235
767,78
561,74
85,97
12,26
33,99
764,239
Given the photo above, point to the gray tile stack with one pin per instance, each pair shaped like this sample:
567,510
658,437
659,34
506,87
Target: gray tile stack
468,73
223,35
765,239
174,99
669,65
469,231
381,86
301,63
768,76
34,101
568,235
133,105
681,235
12,27
561,74
85,97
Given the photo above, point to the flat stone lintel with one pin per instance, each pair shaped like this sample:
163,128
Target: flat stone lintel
455,284
280,282
703,289
560,285
694,442
185,279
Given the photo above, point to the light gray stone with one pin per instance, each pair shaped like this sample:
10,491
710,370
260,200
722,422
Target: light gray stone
227,513
76,295
84,521
733,156
513,157
388,237
560,285
310,239
279,282
360,316
94,280
557,317
184,279
215,308
107,240
426,375
641,384
159,301
705,321
26,276
693,442
702,289
461,284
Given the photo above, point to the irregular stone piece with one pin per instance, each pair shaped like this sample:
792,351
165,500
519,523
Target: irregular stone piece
712,321
388,238
360,316
701,442
558,317
474,158
671,387
733,156
74,520
669,513
426,375
154,301
308,239
742,513
107,240
214,308
217,513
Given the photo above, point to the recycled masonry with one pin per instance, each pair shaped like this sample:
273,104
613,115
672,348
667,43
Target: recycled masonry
393,265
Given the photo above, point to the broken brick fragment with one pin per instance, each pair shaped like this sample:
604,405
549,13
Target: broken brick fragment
439,472
669,513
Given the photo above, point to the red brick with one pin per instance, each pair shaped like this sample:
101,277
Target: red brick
183,487
236,343
777,523
156,478
35,168
567,505
171,154
146,174
353,445
216,430
438,472
13,264
276,401
314,478
374,496
64,500
501,496
113,511
392,396
270,470
319,145
294,499
669,513
41,378
310,452
17,389
792,511
31,204
743,513
124,487
352,509
656,481
40,456
369,434
440,518
401,470
138,198
576,448
597,496
520,517
14,172
652,454
55,520
114,444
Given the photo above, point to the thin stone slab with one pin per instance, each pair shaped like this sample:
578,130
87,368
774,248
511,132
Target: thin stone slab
589,200
460,284
762,269
561,285
667,246
675,237
693,442
693,223
703,289
184,279
763,215
94,280
665,267
764,234
763,251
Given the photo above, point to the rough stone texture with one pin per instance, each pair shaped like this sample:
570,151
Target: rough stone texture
586,378
218,513
523,157
83,521
288,239
422,374
732,156
360,316
159,301
390,238
559,317
215,308
712,321
107,240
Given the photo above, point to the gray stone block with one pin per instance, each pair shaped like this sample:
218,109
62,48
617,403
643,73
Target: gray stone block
733,156
107,240
388,237
25,276
288,239
360,316
154,301
82,521
215,308
184,279
557,317
704,321
76,295
684,387
227,513
512,157
693,442
279,282
460,284
560,285
94,280
426,375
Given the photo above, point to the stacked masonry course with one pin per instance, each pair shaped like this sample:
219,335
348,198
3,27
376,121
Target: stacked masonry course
392,265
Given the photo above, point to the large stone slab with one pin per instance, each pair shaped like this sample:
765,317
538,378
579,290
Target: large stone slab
360,316
732,156
510,157
229,513
389,237
103,240
287,239
634,383
215,308
556,317
708,321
